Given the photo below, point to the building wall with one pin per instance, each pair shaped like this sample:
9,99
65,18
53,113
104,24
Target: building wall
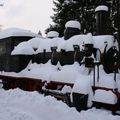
7,62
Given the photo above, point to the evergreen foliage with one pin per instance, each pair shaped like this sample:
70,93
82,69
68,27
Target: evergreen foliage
84,12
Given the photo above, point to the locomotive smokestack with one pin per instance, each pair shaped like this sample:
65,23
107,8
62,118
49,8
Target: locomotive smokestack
101,20
72,28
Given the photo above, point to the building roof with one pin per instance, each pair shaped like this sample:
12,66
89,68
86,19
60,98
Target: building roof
10,32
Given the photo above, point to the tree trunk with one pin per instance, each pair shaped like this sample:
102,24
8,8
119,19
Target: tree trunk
118,11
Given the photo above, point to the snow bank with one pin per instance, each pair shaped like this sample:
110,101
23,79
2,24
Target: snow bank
16,32
101,8
14,106
97,114
73,24
104,96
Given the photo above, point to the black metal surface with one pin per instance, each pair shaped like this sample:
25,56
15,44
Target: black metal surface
88,49
43,57
80,101
69,32
89,62
7,62
101,23
65,97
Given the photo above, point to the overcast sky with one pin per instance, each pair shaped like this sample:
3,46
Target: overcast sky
32,15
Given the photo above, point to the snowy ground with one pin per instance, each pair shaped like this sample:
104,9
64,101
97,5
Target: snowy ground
20,105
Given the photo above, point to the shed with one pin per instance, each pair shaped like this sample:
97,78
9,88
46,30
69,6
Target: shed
10,38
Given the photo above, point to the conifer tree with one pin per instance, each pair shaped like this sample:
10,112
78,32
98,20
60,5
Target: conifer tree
84,12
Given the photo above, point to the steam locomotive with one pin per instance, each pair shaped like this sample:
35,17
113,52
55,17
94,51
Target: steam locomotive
81,49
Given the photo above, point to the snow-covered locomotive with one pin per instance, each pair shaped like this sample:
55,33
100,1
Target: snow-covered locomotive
82,70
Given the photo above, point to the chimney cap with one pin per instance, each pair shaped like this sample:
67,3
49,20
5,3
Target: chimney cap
73,24
101,8
52,34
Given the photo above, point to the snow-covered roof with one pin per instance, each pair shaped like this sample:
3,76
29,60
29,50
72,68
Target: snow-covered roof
52,34
73,24
16,32
101,8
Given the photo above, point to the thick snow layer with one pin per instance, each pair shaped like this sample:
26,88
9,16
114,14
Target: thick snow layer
83,86
14,107
16,32
66,89
56,42
107,81
42,71
76,74
79,40
34,42
46,44
75,66
52,34
73,24
88,39
23,49
104,96
64,76
14,74
101,8
67,73
118,81
101,40
41,44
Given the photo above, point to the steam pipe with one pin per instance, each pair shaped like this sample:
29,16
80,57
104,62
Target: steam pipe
101,20
76,49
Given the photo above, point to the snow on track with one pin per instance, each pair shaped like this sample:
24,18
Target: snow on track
21,105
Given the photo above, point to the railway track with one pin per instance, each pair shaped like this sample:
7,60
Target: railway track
54,88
